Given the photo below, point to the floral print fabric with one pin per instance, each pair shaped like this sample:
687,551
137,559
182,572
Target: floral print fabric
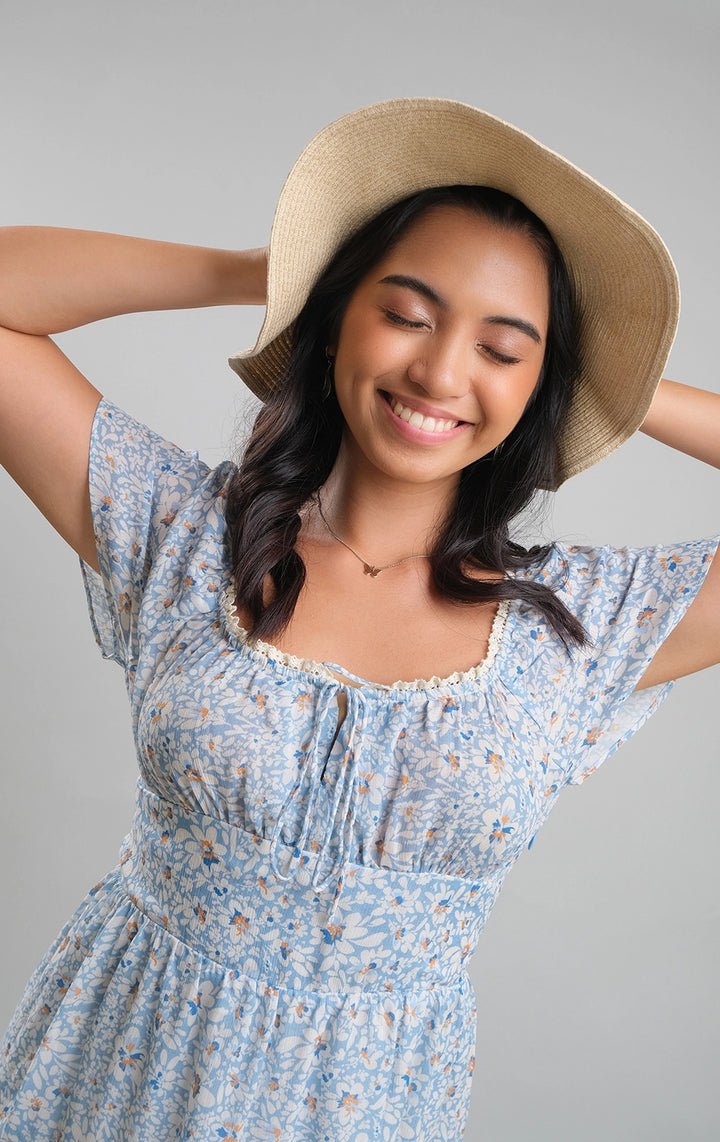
282,949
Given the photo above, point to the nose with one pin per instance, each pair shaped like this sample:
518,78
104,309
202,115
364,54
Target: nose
442,366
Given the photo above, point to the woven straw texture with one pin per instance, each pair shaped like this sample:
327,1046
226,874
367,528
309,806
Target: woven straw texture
623,275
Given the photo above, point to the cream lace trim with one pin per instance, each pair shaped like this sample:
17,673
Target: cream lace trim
309,666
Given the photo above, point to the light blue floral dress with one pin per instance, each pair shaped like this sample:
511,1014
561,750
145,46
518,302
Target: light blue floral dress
282,950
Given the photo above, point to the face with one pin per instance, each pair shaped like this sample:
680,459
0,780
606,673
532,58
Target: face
441,347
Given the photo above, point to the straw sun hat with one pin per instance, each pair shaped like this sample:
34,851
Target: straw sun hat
623,275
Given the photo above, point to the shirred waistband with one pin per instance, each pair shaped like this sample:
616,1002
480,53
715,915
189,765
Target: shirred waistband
214,886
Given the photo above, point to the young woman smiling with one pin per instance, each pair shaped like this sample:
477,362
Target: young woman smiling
355,696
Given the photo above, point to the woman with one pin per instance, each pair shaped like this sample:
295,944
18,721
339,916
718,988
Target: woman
355,698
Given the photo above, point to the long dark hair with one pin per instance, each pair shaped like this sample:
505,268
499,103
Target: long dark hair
296,437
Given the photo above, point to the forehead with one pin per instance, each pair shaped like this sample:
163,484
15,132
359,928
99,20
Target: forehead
460,252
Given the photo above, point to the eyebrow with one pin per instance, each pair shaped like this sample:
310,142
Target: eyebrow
516,323
418,286
428,292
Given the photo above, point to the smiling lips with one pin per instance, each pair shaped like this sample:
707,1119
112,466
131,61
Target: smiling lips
417,420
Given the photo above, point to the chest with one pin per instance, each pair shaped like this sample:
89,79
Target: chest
384,632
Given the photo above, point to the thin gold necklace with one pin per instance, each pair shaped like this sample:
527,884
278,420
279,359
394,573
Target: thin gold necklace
368,568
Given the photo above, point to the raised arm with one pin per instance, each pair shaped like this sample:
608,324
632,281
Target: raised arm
688,419
52,280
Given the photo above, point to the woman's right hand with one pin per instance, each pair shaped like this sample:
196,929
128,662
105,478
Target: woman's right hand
52,280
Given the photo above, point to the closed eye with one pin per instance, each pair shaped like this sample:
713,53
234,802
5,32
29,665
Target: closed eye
502,358
398,319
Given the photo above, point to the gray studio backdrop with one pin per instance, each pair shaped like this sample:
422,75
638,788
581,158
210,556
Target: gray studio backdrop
596,977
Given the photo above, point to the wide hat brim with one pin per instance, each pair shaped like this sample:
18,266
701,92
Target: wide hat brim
624,278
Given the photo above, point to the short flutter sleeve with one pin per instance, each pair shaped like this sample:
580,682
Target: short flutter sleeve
628,600
138,484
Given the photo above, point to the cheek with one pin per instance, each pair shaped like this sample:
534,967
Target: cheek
358,354
509,398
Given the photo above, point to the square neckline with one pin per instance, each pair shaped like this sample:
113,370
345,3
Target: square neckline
326,670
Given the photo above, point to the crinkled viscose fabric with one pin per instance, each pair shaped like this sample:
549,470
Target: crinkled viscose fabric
282,950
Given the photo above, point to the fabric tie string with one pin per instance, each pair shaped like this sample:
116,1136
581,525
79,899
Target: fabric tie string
328,739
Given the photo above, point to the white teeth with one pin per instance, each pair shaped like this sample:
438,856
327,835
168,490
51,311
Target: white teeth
427,423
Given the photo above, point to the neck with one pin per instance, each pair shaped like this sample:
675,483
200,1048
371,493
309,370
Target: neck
383,519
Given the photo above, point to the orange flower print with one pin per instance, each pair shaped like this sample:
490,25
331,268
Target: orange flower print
501,829
128,1056
347,1105
208,854
240,923
495,761
410,1086
645,615
670,562
332,933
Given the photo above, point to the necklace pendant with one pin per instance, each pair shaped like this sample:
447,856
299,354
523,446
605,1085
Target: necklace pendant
373,572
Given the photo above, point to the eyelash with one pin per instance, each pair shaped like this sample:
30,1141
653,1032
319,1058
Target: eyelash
398,319
502,358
